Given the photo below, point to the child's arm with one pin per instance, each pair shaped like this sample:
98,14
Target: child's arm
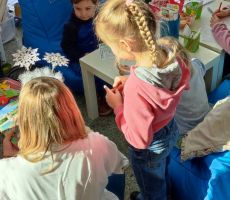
9,149
69,42
199,66
115,159
222,36
135,118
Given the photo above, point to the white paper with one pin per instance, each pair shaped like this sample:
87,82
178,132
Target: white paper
11,3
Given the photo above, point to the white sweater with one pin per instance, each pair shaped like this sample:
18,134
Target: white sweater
80,171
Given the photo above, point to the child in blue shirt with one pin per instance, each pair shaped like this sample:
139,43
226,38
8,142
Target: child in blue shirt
78,36
78,40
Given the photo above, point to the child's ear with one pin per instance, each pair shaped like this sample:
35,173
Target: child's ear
125,45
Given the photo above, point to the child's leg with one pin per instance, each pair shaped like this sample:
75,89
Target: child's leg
149,164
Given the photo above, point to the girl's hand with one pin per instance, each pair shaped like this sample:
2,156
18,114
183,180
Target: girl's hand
113,97
225,12
119,81
214,20
9,149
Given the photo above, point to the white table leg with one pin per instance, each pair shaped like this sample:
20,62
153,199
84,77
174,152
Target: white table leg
2,52
211,76
90,92
220,67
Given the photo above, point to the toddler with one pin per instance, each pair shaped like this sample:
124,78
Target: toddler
78,40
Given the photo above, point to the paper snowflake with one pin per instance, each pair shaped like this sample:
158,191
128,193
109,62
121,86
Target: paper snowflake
25,57
56,59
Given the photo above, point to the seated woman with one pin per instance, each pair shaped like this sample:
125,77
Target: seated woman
57,157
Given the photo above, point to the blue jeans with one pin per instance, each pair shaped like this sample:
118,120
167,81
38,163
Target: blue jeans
149,165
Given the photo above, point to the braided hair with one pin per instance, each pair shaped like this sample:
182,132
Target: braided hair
135,22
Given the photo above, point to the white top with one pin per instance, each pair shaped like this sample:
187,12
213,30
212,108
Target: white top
80,171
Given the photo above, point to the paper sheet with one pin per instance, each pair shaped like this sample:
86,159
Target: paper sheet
11,3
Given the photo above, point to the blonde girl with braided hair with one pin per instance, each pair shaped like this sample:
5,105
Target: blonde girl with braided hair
145,107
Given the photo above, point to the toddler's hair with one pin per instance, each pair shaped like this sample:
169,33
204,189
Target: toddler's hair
47,116
78,1
135,22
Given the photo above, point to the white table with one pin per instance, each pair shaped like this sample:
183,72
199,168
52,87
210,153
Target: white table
206,39
92,65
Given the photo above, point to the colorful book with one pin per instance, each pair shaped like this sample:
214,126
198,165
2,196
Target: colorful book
8,116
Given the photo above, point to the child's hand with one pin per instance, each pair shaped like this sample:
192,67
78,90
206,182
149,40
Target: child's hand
214,20
119,81
113,97
225,12
9,149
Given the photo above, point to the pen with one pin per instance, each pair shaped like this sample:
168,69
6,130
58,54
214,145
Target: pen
220,6
210,10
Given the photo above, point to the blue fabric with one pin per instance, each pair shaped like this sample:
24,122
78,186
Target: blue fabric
43,22
218,184
149,164
170,28
207,177
87,41
222,91
116,185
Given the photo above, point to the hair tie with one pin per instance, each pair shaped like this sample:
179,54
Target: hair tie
128,2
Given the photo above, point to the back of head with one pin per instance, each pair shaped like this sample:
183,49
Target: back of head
117,20
47,115
133,21
78,1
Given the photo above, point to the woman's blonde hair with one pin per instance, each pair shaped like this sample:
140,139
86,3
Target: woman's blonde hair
135,22
47,116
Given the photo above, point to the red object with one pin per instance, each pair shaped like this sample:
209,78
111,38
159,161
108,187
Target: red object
156,5
13,85
119,87
3,100
180,3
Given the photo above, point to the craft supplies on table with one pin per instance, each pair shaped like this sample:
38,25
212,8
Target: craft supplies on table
169,20
9,89
8,116
194,8
191,39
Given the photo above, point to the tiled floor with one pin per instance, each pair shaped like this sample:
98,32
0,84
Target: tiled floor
104,125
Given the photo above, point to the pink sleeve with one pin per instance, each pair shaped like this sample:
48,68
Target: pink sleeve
222,36
135,119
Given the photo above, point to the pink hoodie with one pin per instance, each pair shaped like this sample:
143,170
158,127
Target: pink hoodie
147,108
222,35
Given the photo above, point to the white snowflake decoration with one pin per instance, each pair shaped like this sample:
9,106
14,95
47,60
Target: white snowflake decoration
40,72
56,59
25,57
